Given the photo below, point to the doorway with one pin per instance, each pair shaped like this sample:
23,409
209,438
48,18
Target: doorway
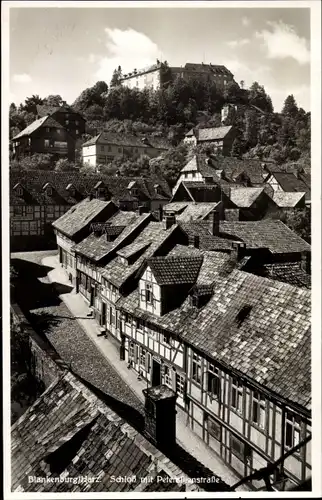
156,373
92,296
103,315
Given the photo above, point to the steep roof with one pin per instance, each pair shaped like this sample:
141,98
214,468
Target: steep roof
254,325
33,181
285,199
213,133
196,211
289,182
175,270
271,234
105,445
288,272
147,244
140,141
245,197
214,68
47,121
265,342
44,109
97,247
80,216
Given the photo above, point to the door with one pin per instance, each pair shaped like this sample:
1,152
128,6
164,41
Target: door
60,255
103,315
92,296
156,373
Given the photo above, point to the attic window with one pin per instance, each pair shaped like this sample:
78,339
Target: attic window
71,189
19,190
243,314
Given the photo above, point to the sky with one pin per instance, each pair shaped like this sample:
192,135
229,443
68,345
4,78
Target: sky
65,50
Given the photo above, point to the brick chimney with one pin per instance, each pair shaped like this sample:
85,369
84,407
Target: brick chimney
169,221
160,416
238,250
214,223
141,210
306,261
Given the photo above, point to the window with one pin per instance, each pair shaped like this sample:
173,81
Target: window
142,357
214,382
214,428
180,384
47,129
167,376
30,210
17,210
148,293
46,141
76,122
50,209
77,131
131,351
25,226
240,449
139,324
119,150
19,191
33,227
109,148
259,410
292,430
16,226
237,395
102,148
67,122
196,368
58,131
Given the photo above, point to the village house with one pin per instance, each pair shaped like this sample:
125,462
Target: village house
157,75
106,146
88,426
75,225
225,349
38,198
288,182
70,119
219,139
45,135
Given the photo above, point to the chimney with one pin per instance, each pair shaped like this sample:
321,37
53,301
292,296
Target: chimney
169,221
90,196
238,250
160,213
141,210
160,416
196,241
306,261
214,223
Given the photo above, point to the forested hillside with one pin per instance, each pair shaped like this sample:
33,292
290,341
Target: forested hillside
173,110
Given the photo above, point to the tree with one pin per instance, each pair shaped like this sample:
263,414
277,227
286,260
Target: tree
30,104
258,97
38,161
64,165
53,100
290,108
116,77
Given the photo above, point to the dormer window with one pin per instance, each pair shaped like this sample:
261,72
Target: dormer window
71,189
18,189
48,188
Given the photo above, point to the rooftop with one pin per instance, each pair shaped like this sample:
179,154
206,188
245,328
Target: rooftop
175,270
69,430
213,133
81,215
286,199
289,182
45,120
140,141
245,197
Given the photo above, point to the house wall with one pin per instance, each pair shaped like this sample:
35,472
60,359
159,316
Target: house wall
262,441
31,225
148,79
47,140
102,152
66,255
273,183
73,122
89,155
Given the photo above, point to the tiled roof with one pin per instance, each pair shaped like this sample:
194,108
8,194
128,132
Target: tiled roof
175,207
196,211
285,199
214,68
153,237
289,182
183,251
80,216
140,141
213,133
214,265
117,187
132,249
245,197
105,445
271,234
288,272
200,192
44,109
97,247
45,121
271,343
175,270
206,240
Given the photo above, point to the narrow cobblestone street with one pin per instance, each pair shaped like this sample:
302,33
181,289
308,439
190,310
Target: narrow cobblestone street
55,310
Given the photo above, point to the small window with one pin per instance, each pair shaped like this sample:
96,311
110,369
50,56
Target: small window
167,376
240,449
214,382
58,131
196,368
76,122
46,143
237,395
19,191
49,191
109,148
259,410
67,122
47,129
214,429
17,210
30,210
292,430
142,357
102,148
148,293
77,131
166,338
180,384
